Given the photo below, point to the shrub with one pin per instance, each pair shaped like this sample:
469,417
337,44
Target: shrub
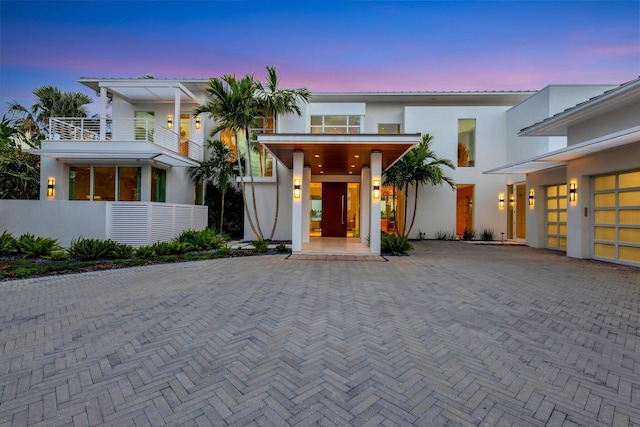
281,248
260,246
36,247
161,248
201,240
144,252
395,245
469,234
6,242
57,256
487,235
176,247
445,235
121,251
91,249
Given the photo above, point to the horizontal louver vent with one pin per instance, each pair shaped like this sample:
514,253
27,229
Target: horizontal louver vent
144,223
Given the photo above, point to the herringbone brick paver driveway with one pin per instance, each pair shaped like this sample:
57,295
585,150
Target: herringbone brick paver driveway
455,334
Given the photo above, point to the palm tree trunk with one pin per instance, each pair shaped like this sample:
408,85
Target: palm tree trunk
415,209
224,190
244,194
275,220
406,205
253,187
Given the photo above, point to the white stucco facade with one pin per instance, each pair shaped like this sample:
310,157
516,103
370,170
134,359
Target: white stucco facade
523,138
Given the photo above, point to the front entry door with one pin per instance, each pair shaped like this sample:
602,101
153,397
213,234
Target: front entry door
334,209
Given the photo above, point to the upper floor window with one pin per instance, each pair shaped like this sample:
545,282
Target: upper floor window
466,142
388,128
261,159
336,124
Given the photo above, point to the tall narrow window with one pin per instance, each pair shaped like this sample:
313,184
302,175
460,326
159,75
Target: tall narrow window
129,184
79,183
185,134
144,125
158,185
261,160
466,142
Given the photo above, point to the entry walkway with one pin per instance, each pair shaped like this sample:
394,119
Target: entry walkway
454,334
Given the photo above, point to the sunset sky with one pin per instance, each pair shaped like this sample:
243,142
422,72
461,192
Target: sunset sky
321,45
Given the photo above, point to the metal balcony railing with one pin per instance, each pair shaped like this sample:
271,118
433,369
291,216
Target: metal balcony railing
121,130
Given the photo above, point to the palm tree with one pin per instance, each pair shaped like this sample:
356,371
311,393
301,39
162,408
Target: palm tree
233,106
218,168
51,103
19,171
419,166
280,101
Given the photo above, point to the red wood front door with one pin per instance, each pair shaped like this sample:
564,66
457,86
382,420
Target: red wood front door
334,209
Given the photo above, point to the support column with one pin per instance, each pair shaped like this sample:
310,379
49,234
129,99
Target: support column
365,204
306,205
176,118
376,176
103,113
296,212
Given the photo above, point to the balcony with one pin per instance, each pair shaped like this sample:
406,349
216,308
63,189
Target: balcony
75,138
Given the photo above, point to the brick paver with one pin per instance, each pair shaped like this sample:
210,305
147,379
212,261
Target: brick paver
454,334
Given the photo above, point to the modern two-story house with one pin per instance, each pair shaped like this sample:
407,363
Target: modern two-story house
528,164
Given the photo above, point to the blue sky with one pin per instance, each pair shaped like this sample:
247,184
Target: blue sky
321,45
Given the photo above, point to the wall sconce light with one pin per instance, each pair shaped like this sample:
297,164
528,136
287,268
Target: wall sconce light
296,188
169,121
501,201
51,187
376,189
531,197
511,200
470,202
198,122
573,192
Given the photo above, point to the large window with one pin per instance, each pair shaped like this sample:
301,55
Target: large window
466,142
336,124
104,183
388,128
261,159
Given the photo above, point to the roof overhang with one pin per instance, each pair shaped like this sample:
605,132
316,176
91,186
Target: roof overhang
611,100
560,157
97,152
338,154
150,90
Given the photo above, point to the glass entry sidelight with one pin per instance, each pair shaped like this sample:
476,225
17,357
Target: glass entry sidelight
521,211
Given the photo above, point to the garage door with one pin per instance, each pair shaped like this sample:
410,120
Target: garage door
556,205
616,216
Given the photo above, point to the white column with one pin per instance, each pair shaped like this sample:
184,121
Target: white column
296,212
365,204
103,113
176,118
306,204
376,174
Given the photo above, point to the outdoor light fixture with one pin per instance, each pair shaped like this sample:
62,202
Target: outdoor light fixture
296,188
198,122
573,192
511,200
531,197
376,189
169,121
51,187
501,201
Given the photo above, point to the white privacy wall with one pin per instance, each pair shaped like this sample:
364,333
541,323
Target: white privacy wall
437,205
